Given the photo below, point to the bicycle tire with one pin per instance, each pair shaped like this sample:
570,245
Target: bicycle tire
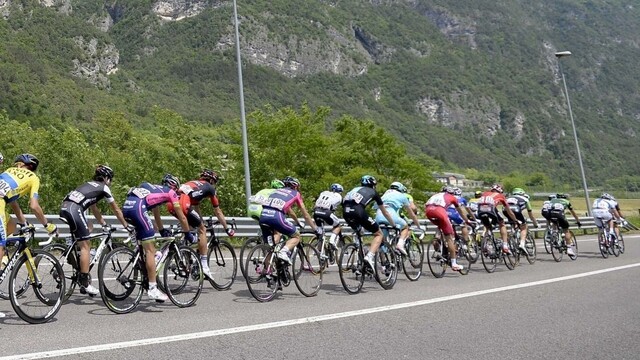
547,244
307,270
224,266
532,252
351,269
248,244
488,254
512,259
620,243
575,246
462,257
261,274
602,244
473,251
324,262
70,272
183,277
48,292
4,286
120,280
437,264
412,264
386,267
557,247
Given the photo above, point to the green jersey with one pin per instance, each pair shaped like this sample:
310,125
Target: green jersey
255,202
560,205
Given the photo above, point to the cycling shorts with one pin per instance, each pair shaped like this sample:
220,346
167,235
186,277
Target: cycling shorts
439,217
490,217
397,219
73,215
272,219
356,216
135,212
601,216
325,216
193,218
454,217
519,215
558,216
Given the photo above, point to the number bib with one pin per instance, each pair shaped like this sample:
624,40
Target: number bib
5,188
76,196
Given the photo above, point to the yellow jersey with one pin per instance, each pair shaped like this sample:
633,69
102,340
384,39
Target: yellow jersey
18,182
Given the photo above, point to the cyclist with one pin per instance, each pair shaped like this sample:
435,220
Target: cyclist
17,182
72,212
436,210
518,202
454,215
395,200
325,208
192,193
556,214
473,203
255,205
355,214
273,215
488,213
604,210
619,219
546,208
139,201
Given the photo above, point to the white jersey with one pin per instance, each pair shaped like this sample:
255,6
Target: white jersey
604,204
328,200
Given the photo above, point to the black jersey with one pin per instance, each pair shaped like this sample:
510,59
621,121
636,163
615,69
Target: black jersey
90,193
362,195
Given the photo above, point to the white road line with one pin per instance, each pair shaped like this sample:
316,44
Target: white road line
312,319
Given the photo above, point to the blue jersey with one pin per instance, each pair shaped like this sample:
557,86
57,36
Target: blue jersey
453,213
395,200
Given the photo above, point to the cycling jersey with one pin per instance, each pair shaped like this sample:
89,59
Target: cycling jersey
255,203
394,201
488,208
519,203
325,206
436,210
601,212
283,199
77,201
362,196
453,214
473,205
15,183
140,200
354,205
274,208
197,190
556,212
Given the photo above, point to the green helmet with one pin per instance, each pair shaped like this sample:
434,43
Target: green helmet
277,184
518,191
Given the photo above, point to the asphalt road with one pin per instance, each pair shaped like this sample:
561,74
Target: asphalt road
583,309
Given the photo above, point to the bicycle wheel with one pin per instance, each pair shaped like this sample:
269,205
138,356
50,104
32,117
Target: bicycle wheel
324,258
512,258
472,252
120,280
602,244
40,301
437,264
530,245
223,265
575,245
307,270
547,242
412,263
620,244
557,247
183,277
488,254
351,269
461,257
68,264
4,286
261,274
386,267
249,244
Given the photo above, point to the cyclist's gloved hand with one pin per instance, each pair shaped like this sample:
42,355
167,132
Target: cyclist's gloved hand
189,237
51,228
130,229
230,231
579,224
624,222
106,228
318,230
165,232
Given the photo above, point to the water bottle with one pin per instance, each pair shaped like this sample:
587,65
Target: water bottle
92,252
158,256
69,241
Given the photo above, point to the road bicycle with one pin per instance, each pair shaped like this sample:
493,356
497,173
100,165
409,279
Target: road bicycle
531,252
123,274
558,244
547,239
353,269
412,263
491,252
266,273
36,282
329,253
221,257
609,243
438,255
69,257
472,244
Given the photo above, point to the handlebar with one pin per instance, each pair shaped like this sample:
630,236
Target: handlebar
46,242
213,223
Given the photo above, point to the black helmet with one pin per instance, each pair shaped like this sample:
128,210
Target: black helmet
103,172
291,182
171,181
368,180
29,160
209,176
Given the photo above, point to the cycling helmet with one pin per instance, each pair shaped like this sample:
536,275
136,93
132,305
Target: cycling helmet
552,196
457,191
396,185
209,176
29,160
103,172
607,196
447,189
478,194
291,182
171,181
368,180
562,196
497,188
518,191
337,188
277,184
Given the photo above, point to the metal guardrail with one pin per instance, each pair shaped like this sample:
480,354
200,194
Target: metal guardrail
247,227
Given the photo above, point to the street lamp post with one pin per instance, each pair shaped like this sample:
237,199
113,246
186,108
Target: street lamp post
559,55
245,147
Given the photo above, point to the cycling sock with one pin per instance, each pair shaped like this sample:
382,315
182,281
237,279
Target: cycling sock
333,239
152,285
